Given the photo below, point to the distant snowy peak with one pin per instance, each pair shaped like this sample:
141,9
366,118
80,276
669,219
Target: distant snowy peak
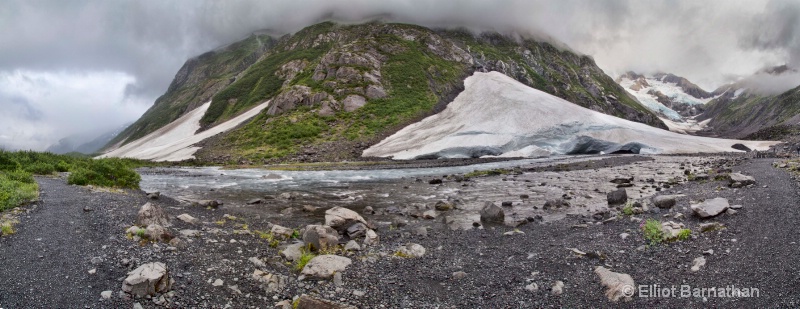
669,95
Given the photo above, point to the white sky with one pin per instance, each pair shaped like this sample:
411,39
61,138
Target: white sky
70,66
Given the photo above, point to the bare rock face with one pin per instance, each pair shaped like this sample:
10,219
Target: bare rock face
152,214
324,266
353,102
375,92
320,237
148,279
618,285
290,70
294,97
711,207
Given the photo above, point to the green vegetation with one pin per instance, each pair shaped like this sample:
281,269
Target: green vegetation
303,260
494,172
6,228
18,187
684,234
653,232
628,209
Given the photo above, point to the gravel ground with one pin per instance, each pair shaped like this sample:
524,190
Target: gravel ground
46,263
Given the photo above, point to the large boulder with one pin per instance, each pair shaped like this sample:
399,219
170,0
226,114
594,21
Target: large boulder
711,207
281,231
324,266
152,214
618,285
320,237
492,213
664,201
341,218
148,279
293,252
618,197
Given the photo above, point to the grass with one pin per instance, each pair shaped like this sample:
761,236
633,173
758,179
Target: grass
494,172
273,241
653,232
6,228
303,260
628,209
684,234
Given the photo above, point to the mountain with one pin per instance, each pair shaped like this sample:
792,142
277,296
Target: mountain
334,90
498,116
743,109
86,143
670,96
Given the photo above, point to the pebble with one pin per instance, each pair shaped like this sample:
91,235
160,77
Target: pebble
359,293
218,282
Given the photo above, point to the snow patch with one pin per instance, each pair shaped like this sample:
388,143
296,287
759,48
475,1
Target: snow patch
497,116
175,141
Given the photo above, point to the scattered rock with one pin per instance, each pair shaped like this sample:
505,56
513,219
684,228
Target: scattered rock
188,219
156,232
189,233
324,266
207,203
618,197
506,204
492,213
320,237
711,226
309,302
281,231
371,238
148,279
533,287
622,180
352,246
671,229
555,203
618,285
664,201
557,289
254,201
421,231
435,181
711,207
257,262
744,180
271,283
293,252
444,206
106,294
152,214
708,252
309,208
357,230
369,211
154,195
218,282
624,235
429,214
697,263
411,250
341,218
459,275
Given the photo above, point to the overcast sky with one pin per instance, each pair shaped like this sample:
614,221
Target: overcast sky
70,67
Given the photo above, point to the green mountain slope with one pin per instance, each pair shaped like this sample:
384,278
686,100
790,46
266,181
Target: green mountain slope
745,114
337,89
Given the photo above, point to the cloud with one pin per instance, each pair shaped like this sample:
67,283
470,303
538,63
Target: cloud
710,42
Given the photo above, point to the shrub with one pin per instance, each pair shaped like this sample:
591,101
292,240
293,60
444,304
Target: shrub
7,163
40,168
62,167
105,173
684,234
16,188
652,231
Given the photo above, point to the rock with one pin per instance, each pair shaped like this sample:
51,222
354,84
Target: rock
359,293
618,285
207,203
152,214
257,262
708,252
444,206
218,282
731,212
309,302
555,203
557,289
357,230
371,238
284,304
435,181
369,211
189,233
287,196
411,250
271,283
341,218
156,232
352,246
106,294
711,207
324,266
320,237
618,197
281,231
421,231
697,263
148,279
622,180
533,287
711,226
188,219
664,201
337,279
353,102
254,201
506,204
137,306
624,235
459,275
671,229
309,208
744,180
737,207
293,252
429,214
154,195
492,213
375,92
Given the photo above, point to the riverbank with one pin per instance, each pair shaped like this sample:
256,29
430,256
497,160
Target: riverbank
71,247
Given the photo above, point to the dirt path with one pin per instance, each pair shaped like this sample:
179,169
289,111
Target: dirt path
46,263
